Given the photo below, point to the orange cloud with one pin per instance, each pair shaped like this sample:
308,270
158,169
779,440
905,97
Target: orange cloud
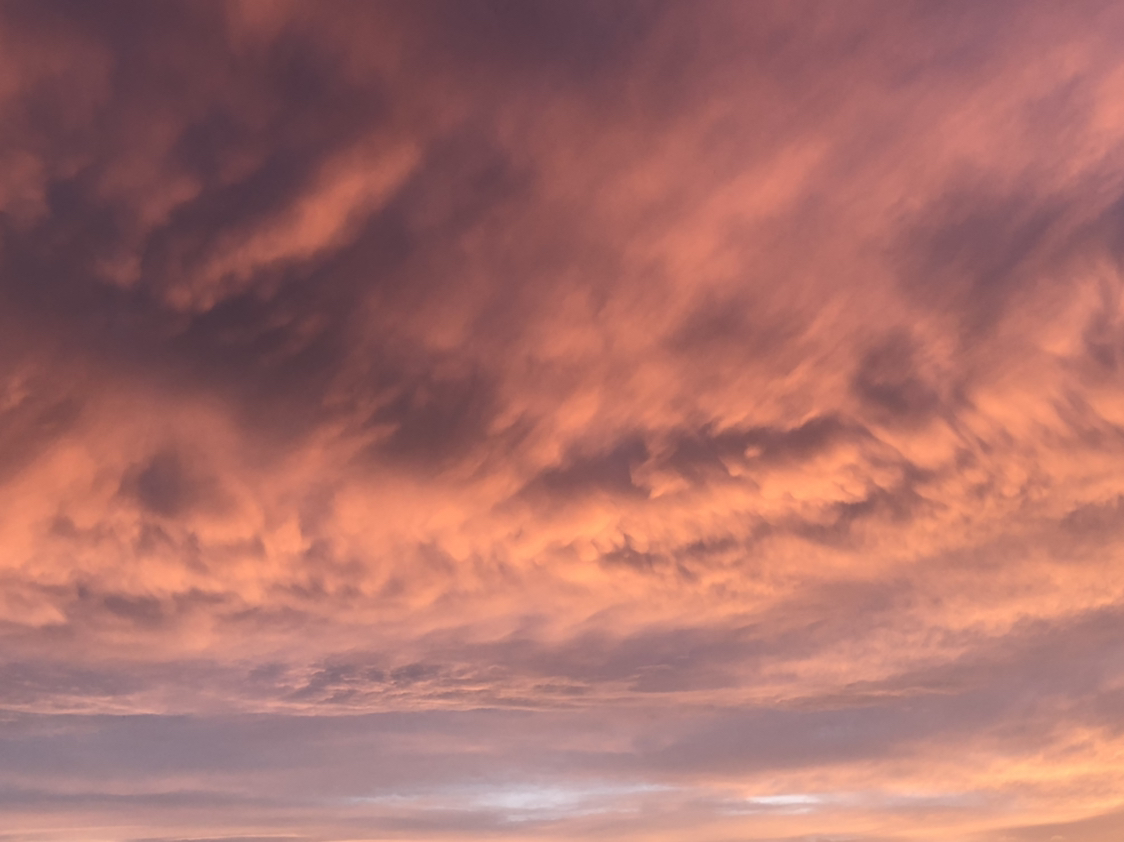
466,420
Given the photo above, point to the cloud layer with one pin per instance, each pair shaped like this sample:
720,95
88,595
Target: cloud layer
552,420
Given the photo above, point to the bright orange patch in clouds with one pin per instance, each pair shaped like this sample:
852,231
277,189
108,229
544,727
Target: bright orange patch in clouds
556,420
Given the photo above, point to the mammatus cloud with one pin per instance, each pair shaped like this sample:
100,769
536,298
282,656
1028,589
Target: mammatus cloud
555,420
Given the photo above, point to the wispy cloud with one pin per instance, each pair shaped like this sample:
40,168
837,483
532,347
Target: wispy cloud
472,419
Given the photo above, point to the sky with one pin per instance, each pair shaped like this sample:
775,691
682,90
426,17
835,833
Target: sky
518,420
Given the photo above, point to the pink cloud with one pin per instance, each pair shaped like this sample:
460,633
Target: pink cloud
482,419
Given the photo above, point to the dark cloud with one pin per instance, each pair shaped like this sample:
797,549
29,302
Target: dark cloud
703,458
32,419
434,419
605,473
165,485
978,250
897,504
887,379
581,44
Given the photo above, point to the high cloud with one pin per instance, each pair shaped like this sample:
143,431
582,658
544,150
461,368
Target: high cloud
530,420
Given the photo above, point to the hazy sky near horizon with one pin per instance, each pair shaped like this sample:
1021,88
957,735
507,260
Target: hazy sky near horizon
503,419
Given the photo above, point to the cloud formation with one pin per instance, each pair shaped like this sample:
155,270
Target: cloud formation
456,420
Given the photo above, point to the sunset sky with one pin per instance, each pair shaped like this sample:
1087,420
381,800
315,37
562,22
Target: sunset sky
692,421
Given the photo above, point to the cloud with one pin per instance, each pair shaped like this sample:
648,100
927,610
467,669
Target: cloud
482,419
